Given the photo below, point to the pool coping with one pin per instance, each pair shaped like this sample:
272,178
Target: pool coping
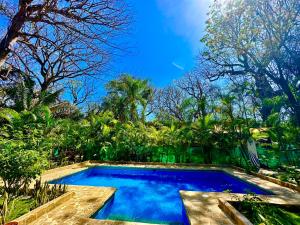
41,210
272,179
278,190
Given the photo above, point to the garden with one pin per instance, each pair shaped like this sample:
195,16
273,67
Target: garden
244,88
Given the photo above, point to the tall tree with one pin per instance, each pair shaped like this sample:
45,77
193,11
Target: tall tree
171,103
257,38
200,89
187,99
79,91
90,23
128,97
50,63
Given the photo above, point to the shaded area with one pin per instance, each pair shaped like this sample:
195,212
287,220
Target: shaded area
268,214
19,207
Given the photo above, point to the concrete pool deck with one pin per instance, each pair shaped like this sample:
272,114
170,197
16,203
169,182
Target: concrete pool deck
201,207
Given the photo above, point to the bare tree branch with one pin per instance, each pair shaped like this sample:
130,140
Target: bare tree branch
89,25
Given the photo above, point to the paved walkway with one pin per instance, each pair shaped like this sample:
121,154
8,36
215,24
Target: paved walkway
84,204
202,207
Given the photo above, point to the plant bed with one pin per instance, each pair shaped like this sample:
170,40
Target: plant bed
275,178
267,213
288,174
23,203
41,210
19,207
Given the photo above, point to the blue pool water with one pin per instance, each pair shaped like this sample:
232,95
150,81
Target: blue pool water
152,195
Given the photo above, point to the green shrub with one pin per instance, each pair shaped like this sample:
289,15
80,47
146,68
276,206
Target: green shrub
19,165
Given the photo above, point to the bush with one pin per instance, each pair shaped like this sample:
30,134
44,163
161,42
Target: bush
19,165
24,148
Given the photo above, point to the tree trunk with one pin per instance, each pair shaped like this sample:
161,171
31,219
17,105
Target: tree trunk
265,91
207,154
133,112
44,86
13,31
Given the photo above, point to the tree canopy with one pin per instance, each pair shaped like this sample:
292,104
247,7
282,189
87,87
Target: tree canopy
258,39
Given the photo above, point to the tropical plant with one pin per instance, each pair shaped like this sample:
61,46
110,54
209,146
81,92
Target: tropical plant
128,98
6,207
22,95
259,212
43,192
23,147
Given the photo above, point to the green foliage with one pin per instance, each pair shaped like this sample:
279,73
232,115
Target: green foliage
19,207
8,115
287,174
4,211
191,122
284,134
23,147
128,98
22,94
19,166
265,213
14,207
43,192
248,39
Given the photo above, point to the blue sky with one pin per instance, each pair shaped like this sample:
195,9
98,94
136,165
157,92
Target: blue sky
164,39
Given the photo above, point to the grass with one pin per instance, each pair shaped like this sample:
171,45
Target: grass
19,207
269,214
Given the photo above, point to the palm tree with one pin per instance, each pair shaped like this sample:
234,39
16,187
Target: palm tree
204,135
127,96
22,94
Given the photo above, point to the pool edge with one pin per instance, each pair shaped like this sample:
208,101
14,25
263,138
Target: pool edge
282,193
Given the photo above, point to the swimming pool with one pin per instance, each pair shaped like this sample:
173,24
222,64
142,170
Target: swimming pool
152,195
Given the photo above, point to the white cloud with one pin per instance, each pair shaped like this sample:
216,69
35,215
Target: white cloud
177,66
